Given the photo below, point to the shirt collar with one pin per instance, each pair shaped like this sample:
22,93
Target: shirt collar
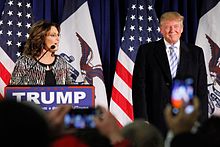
177,44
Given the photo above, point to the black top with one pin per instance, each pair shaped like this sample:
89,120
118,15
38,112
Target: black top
49,77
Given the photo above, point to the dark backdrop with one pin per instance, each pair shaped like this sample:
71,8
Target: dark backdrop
108,18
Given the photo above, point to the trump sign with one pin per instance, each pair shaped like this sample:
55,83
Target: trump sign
48,97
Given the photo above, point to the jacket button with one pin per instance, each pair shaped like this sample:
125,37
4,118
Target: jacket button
168,84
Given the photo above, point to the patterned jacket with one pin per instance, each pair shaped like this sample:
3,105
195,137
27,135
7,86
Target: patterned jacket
23,75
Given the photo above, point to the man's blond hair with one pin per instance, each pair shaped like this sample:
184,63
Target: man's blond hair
171,16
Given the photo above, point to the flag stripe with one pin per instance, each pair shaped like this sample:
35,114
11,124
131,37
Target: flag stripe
6,61
122,102
4,74
1,97
73,6
126,61
2,83
119,114
123,88
124,74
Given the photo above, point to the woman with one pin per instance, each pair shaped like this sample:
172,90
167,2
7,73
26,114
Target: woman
39,65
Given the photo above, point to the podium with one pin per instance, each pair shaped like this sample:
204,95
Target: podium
49,97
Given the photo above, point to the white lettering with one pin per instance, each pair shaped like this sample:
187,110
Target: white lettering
79,96
33,96
18,95
44,98
64,99
51,97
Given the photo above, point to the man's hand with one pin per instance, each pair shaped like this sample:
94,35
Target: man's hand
56,120
182,122
106,124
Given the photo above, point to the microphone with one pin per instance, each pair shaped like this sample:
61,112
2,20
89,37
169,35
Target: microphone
52,47
32,66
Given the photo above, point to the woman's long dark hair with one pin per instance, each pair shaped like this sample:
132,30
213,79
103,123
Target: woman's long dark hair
35,42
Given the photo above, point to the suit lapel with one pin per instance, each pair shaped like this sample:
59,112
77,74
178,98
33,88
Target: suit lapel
161,57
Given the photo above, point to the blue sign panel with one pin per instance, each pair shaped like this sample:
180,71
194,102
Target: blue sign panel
48,97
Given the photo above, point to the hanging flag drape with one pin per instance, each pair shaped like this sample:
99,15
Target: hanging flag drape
15,22
208,37
79,47
141,26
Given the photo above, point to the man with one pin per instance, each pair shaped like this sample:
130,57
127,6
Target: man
155,68
183,129
142,134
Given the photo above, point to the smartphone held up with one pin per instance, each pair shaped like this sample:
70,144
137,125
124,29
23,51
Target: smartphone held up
182,95
81,118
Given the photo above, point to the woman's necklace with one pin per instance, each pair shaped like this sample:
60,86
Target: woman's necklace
48,67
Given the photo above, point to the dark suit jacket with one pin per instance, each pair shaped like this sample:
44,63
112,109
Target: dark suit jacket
152,82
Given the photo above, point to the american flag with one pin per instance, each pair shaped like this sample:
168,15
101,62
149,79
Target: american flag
16,19
142,26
